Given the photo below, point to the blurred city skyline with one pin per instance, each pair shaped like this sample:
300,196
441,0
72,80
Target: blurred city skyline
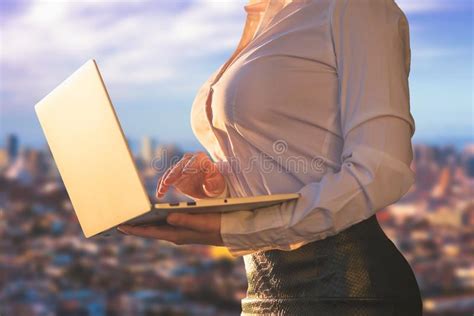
49,268
154,55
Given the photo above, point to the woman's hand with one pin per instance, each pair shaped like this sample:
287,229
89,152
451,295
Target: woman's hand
194,175
182,229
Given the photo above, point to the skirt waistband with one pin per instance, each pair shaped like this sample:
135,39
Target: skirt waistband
359,262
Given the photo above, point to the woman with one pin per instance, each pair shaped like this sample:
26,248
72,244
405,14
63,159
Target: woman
314,100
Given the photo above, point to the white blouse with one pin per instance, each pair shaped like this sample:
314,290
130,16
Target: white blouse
315,100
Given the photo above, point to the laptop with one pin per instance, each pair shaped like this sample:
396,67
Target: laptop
96,164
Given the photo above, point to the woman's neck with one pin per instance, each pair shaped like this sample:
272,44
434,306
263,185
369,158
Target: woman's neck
256,6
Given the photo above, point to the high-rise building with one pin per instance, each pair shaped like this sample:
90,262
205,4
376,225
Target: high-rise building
425,166
20,170
467,160
147,149
12,146
165,156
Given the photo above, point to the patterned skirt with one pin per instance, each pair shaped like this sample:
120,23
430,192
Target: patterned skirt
358,272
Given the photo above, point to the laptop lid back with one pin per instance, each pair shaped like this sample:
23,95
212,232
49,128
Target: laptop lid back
91,153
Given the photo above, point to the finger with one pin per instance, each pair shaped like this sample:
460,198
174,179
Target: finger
192,166
163,187
163,232
199,163
172,234
208,166
160,188
214,185
205,223
164,184
176,172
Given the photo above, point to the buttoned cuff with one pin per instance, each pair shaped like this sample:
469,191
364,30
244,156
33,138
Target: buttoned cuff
246,232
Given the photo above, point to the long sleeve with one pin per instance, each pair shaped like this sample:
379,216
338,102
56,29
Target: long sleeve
371,45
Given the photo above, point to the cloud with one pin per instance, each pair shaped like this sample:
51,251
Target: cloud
138,44
142,46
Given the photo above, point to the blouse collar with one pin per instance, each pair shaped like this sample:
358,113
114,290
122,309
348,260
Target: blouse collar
264,10
256,6
264,6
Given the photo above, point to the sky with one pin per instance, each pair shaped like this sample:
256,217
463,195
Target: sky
155,54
